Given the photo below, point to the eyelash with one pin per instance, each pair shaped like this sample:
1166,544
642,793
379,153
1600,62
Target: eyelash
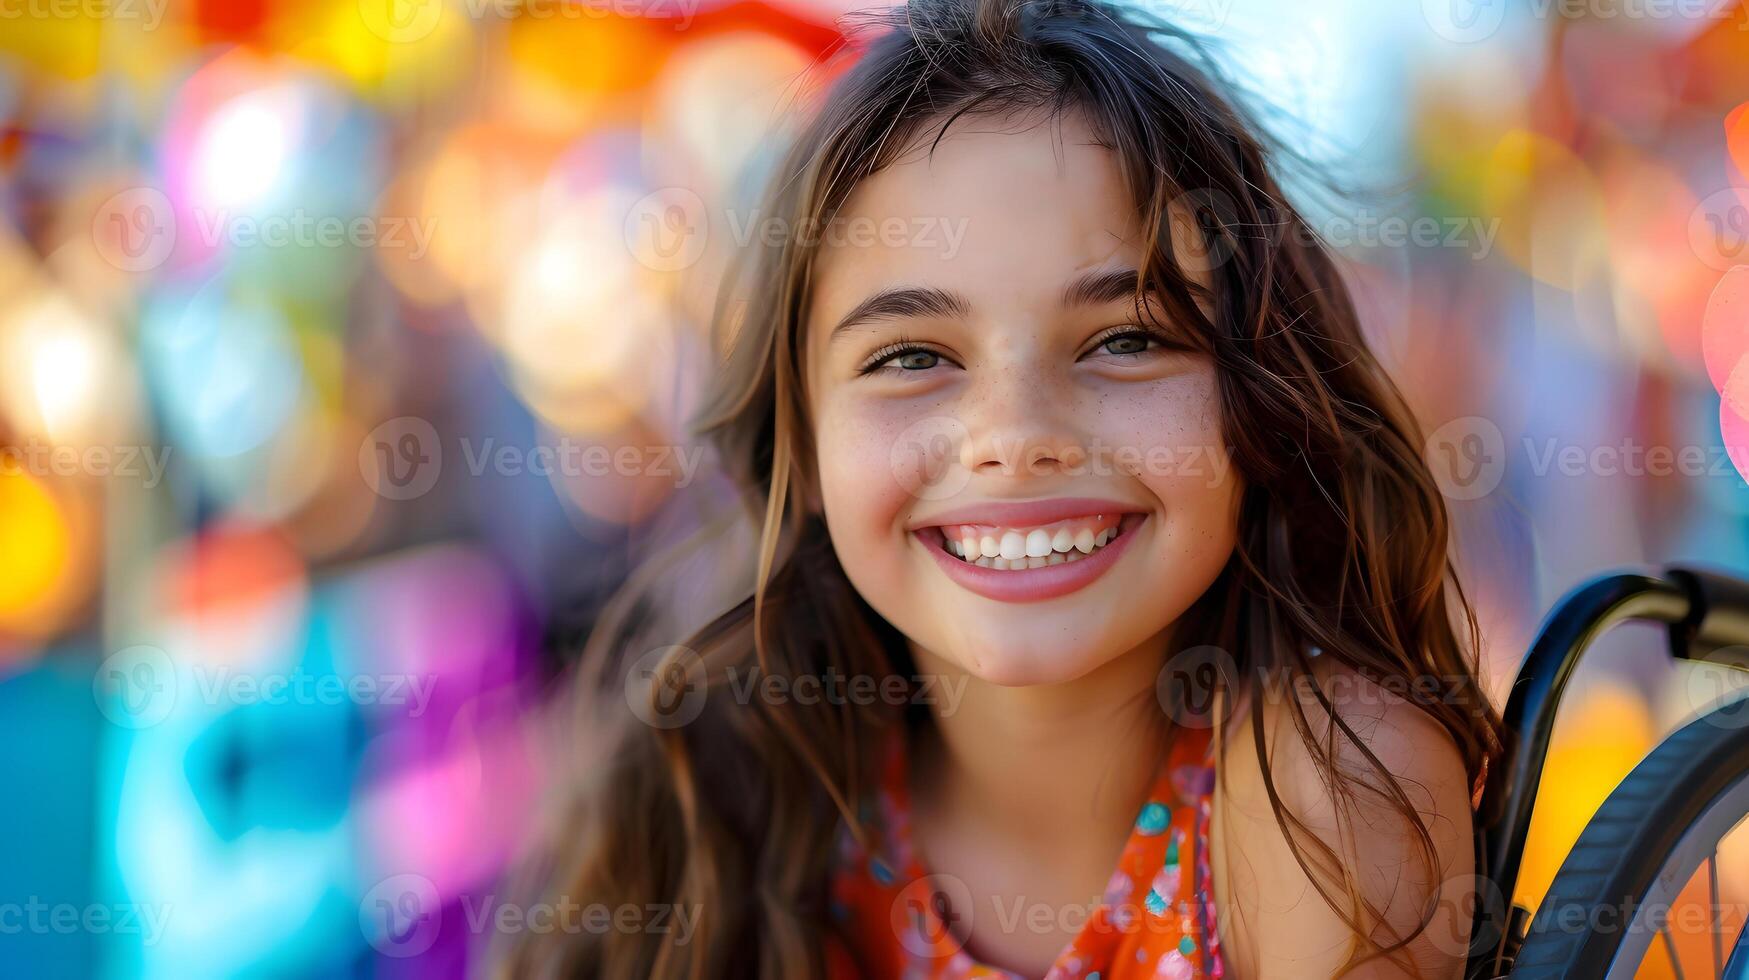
878,361
1161,339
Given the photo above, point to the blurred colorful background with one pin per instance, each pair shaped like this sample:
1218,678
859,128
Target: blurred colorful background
346,350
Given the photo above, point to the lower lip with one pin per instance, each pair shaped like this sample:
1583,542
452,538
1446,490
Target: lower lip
1031,584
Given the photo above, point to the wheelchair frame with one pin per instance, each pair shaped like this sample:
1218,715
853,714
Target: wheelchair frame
1706,612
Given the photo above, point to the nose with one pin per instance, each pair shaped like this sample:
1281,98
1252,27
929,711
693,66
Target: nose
1019,422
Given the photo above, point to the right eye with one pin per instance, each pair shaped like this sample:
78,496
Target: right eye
901,358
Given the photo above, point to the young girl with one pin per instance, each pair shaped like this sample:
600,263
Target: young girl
1102,624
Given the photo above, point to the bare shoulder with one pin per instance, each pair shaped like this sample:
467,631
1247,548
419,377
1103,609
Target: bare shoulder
1346,769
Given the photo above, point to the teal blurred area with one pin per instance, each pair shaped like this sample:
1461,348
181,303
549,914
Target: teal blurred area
50,734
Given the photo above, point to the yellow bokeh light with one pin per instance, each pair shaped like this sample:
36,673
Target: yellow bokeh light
1550,209
1604,732
70,46
425,58
34,544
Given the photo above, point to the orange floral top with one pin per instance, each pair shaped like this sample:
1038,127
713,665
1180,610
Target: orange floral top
1156,919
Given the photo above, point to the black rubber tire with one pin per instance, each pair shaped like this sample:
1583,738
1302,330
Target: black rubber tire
1625,845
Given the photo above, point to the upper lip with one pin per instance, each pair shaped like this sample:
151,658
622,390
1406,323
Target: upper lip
1026,513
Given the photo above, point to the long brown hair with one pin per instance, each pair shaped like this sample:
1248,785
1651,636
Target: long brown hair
1342,542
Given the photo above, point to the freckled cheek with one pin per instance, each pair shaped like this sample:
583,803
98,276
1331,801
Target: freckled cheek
1169,437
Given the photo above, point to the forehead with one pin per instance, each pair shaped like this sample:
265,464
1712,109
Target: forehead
1002,210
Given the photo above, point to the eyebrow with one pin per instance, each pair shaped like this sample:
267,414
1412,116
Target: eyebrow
910,302
904,302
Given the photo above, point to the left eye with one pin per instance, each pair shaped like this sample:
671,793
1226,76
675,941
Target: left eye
1127,344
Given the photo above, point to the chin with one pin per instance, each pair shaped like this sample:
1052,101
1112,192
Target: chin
1022,663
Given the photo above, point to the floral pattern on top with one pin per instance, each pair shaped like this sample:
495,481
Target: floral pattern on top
1156,919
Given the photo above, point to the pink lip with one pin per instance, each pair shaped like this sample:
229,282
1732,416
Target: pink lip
1031,584
1027,513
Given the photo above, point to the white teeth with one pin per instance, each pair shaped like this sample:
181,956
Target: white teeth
1037,548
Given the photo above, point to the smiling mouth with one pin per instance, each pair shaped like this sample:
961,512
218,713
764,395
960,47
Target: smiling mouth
1021,548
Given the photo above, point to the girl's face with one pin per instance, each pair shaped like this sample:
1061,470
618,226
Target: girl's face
1021,477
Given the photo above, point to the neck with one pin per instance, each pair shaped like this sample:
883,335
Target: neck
1032,761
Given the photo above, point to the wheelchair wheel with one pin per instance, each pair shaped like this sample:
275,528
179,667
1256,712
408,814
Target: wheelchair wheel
1614,895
